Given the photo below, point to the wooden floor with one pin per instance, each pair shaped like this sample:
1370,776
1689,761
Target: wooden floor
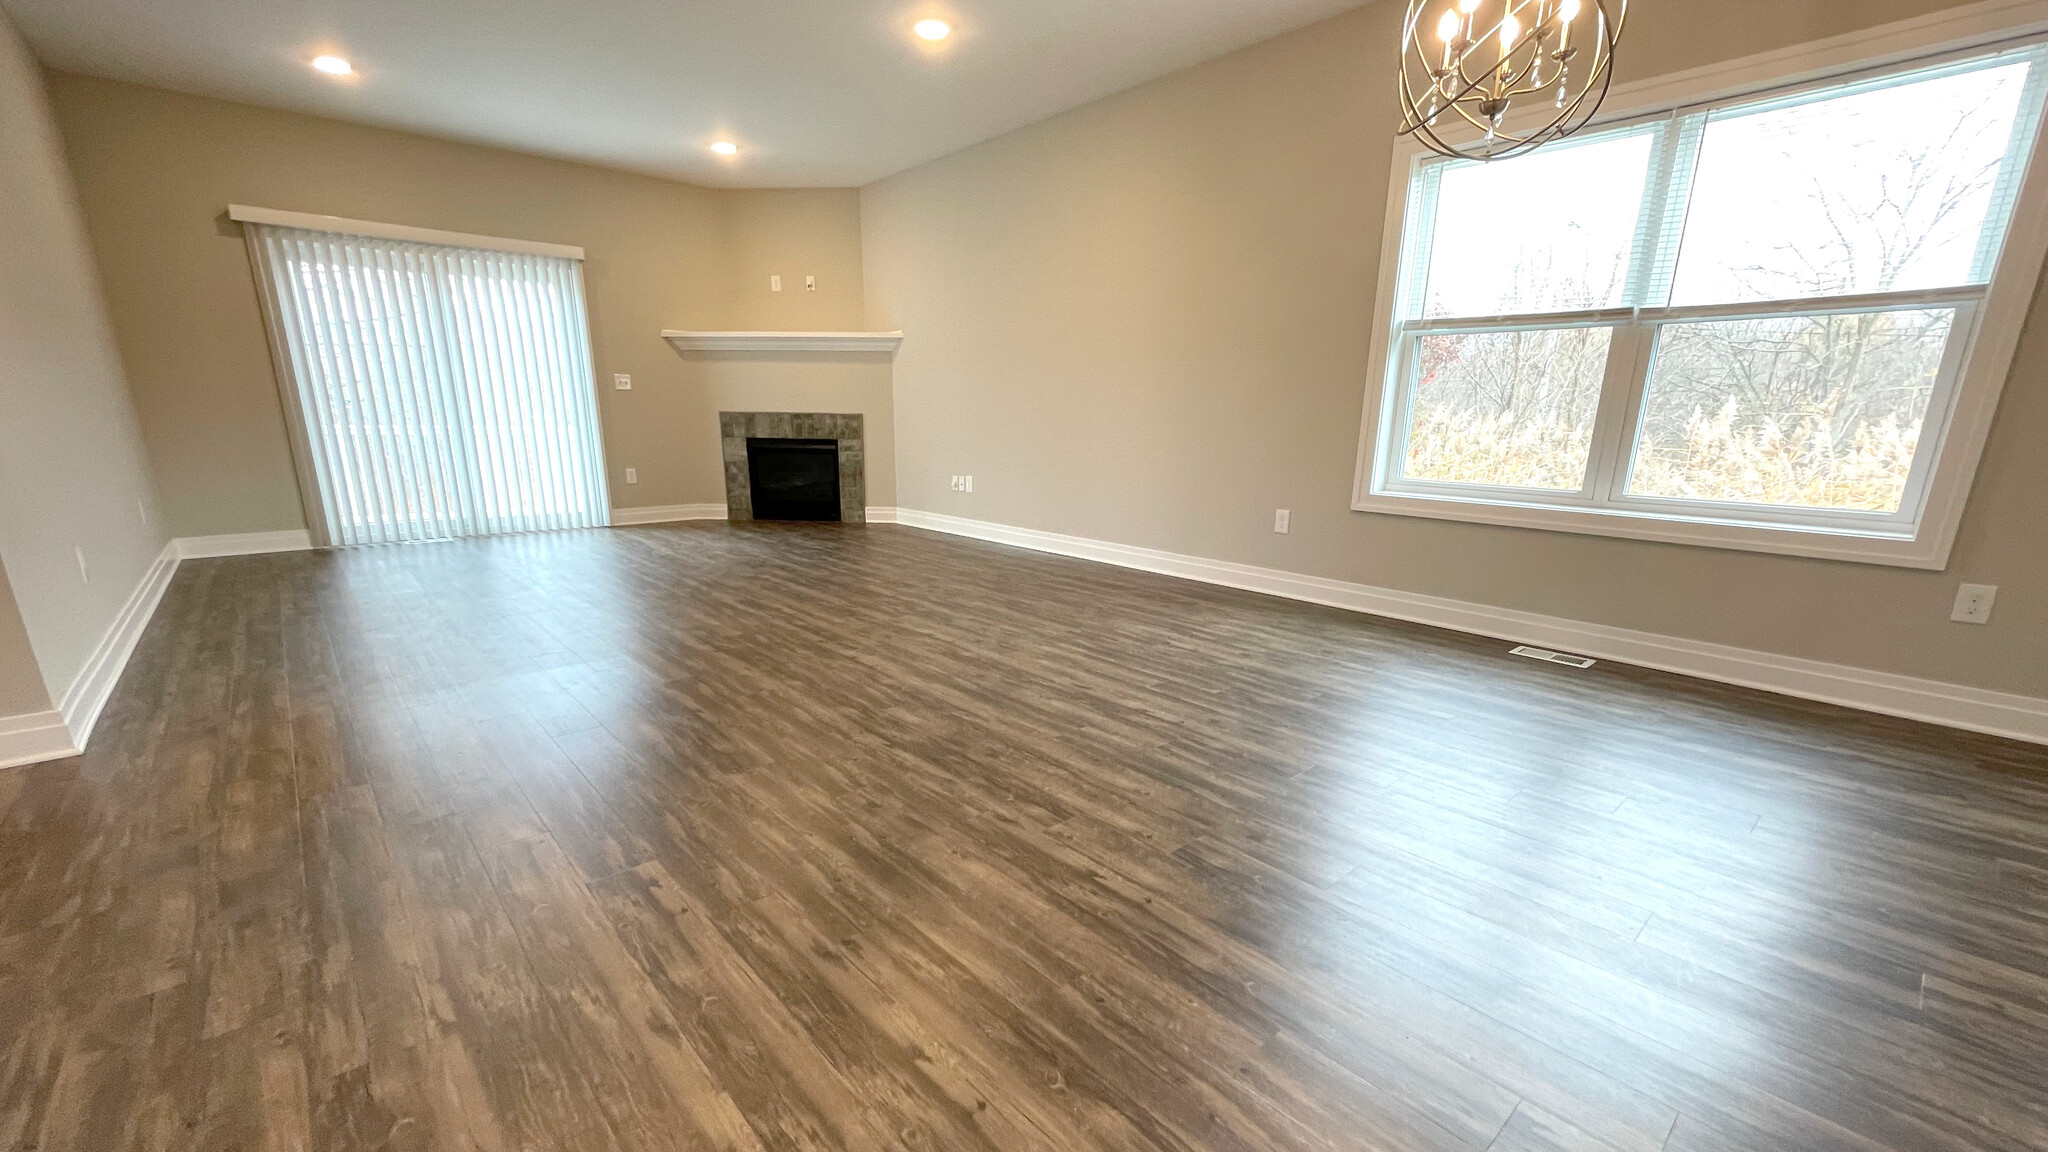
823,837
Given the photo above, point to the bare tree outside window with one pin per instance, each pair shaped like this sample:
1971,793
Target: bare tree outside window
1818,411
1516,409
1876,191
1513,409
1884,189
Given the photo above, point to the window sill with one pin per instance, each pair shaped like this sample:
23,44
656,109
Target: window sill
1894,549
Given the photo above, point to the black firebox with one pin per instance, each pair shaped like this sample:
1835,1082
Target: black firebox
793,479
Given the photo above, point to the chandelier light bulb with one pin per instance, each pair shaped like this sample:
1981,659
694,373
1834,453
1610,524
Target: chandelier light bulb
1447,27
1468,6
1510,31
1568,11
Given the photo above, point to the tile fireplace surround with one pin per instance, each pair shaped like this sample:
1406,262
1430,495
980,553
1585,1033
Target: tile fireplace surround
735,427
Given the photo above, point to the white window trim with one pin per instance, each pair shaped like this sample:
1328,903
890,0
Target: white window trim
1946,474
313,222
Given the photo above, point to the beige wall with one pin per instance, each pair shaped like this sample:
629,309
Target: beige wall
157,169
1146,321
72,470
21,678
793,233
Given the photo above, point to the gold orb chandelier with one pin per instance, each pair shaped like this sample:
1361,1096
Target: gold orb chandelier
1464,72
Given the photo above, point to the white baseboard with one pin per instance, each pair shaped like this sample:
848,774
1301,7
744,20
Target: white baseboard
80,708
1934,701
666,514
243,543
34,737
95,681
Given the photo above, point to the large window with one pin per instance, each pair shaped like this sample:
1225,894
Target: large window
437,390
1750,315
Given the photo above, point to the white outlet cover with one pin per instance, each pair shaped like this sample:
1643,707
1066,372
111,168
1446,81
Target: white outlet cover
622,381
1973,603
810,283
775,283
1280,519
632,475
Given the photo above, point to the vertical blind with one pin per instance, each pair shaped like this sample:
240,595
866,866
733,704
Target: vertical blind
439,391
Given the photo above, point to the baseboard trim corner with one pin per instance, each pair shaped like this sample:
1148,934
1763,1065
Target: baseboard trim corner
1913,698
33,737
666,514
243,544
94,685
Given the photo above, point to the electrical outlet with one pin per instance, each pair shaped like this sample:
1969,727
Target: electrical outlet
84,573
1973,603
1280,516
775,283
810,283
963,484
632,475
622,382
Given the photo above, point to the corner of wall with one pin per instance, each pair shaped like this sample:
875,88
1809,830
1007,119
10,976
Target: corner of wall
80,532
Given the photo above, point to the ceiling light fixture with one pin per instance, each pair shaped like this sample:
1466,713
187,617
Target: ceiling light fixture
932,29
1490,55
333,65
725,148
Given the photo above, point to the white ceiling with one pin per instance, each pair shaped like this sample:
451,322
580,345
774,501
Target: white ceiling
816,92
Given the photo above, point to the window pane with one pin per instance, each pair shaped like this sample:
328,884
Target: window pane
1872,191
1513,409
1545,232
1808,411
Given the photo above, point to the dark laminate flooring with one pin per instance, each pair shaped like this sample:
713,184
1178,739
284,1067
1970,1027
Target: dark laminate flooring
822,837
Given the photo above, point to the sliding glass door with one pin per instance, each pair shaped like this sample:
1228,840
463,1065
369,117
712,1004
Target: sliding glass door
437,391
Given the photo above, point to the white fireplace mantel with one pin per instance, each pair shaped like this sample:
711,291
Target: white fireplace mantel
782,341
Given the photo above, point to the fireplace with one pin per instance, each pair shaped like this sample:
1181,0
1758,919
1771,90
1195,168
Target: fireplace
793,479
793,466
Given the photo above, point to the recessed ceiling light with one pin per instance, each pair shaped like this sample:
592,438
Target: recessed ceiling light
333,65
932,29
725,148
